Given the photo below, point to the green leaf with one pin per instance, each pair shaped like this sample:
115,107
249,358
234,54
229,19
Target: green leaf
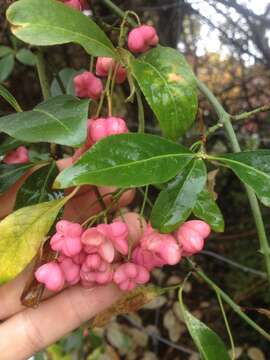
207,209
175,203
6,67
253,169
66,75
38,187
5,50
209,344
169,87
55,23
9,98
9,144
22,233
26,57
127,160
9,174
61,120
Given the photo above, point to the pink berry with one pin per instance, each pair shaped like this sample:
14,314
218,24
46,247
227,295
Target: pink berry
142,38
128,275
117,232
95,241
163,245
51,275
101,128
191,236
71,271
146,258
105,64
18,156
87,85
95,270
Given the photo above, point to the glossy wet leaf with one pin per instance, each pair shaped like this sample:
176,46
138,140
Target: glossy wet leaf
127,160
6,66
4,93
26,57
176,201
9,174
209,344
207,209
22,233
128,303
252,168
9,144
66,75
61,120
169,87
38,187
55,23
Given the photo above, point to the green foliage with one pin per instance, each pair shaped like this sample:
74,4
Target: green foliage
60,120
26,57
253,168
169,87
207,209
4,93
5,50
206,340
38,187
127,160
22,233
6,66
55,23
9,174
175,203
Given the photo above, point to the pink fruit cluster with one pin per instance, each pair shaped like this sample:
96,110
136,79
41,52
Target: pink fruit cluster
99,129
76,4
17,156
99,255
142,38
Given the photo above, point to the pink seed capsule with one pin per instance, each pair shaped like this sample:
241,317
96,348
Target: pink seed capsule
117,232
103,127
71,271
142,38
97,271
128,275
18,156
69,246
163,245
146,258
51,275
95,241
105,64
87,85
191,236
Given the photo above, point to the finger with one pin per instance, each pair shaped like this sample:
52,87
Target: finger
36,329
10,294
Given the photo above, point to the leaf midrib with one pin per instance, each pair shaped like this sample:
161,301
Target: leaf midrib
134,162
241,164
51,116
68,31
165,82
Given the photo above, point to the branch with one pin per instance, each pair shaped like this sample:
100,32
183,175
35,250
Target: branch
114,8
248,114
225,119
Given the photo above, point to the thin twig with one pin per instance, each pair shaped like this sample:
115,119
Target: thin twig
234,263
248,114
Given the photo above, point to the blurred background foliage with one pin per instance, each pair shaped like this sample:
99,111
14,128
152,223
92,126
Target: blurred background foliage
227,43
